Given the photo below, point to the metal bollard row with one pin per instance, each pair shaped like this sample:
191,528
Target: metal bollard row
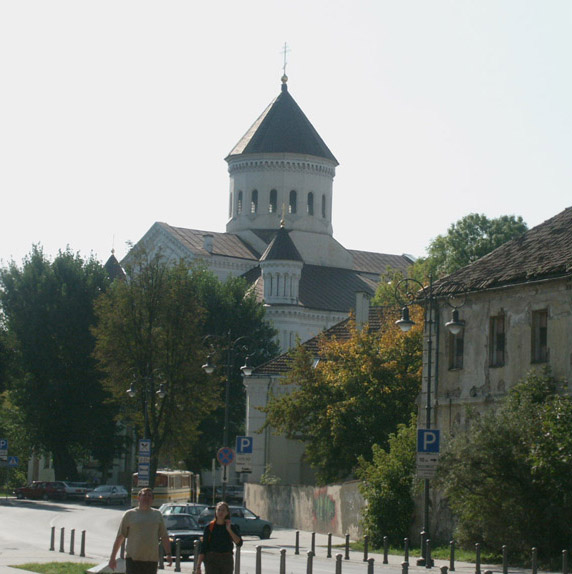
62,541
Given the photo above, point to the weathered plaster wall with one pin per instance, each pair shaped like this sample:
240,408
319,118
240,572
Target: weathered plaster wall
336,509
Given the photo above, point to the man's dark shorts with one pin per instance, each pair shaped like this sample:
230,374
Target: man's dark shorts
140,567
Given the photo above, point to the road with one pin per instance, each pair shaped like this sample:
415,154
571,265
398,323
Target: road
25,532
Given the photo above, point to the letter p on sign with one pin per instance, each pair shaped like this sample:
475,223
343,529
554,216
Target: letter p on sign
428,440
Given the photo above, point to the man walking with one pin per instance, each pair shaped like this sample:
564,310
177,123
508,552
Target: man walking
142,526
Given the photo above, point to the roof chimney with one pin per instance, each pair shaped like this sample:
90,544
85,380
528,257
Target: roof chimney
362,308
208,242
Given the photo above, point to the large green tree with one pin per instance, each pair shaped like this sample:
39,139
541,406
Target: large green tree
54,383
467,240
358,393
507,478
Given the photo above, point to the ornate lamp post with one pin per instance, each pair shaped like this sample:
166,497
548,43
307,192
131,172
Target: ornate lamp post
149,390
230,346
409,292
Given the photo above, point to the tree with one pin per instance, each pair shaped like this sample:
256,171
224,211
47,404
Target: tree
387,485
508,477
467,240
149,334
359,392
54,383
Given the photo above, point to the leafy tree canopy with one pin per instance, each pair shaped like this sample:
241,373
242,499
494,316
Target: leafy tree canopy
356,395
469,239
54,383
508,477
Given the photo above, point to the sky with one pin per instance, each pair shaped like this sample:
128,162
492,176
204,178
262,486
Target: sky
115,114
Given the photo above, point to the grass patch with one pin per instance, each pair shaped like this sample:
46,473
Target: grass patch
56,567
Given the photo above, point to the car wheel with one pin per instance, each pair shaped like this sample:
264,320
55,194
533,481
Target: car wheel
45,497
266,531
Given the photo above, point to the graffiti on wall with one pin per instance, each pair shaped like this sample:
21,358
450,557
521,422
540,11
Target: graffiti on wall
324,508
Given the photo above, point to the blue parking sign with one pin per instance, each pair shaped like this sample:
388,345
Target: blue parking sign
244,445
428,440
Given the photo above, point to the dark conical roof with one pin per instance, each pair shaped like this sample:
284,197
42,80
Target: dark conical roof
283,128
113,268
281,248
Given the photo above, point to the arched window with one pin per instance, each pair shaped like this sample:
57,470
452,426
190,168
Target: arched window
254,201
239,203
292,204
310,203
273,201
324,206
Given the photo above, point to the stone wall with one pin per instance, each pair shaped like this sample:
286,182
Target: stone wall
336,509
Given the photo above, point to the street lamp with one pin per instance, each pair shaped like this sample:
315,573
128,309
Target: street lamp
148,391
408,292
231,347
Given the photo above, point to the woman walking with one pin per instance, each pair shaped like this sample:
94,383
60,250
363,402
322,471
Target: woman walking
217,544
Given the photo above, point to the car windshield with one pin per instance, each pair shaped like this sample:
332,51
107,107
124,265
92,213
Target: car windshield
180,522
102,489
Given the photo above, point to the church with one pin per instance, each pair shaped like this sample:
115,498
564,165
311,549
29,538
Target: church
279,234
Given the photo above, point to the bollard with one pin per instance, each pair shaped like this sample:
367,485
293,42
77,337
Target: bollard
365,547
258,569
370,566
385,549
72,542
309,562
534,561
161,557
297,549
423,546
122,551
196,546
338,564
82,549
177,554
62,534
347,556
477,558
282,560
444,569
329,555
564,561
452,556
406,550
313,545
236,559
504,559
404,567
53,539
428,559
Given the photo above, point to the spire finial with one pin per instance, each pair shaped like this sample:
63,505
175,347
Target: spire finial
283,220
285,51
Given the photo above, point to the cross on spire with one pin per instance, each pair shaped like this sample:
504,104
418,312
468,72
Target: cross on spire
285,51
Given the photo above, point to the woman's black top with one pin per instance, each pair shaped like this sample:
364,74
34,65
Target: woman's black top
218,539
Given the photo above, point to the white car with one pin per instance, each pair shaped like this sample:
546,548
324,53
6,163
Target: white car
107,494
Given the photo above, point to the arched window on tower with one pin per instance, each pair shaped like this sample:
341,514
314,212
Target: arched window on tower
239,203
273,201
292,204
254,201
310,203
324,206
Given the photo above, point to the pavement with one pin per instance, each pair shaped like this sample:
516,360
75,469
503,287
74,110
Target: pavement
282,538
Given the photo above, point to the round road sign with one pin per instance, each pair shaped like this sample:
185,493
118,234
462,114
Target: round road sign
225,455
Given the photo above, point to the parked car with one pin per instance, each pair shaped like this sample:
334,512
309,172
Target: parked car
184,528
192,508
55,490
249,523
107,494
35,490
76,490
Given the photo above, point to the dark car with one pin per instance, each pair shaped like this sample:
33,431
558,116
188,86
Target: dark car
249,523
192,508
182,527
55,490
35,490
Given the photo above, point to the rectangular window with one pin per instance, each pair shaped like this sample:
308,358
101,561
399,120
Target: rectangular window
497,341
456,347
539,332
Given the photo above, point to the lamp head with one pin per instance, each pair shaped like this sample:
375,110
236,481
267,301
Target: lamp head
246,368
405,323
208,367
455,325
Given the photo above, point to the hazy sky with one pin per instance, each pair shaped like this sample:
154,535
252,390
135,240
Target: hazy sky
116,114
